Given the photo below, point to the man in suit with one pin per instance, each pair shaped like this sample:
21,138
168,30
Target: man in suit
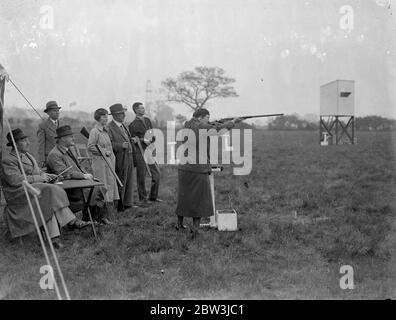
61,157
47,131
138,129
123,149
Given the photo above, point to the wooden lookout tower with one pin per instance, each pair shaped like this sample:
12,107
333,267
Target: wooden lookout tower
337,112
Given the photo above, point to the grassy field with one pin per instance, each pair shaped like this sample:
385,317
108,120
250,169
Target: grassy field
304,211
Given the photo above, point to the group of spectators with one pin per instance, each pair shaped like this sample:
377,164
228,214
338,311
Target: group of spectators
114,152
115,149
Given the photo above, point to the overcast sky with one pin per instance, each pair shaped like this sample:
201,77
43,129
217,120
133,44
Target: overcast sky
280,52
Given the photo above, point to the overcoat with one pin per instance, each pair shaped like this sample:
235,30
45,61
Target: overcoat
46,134
194,193
124,160
17,213
61,158
99,136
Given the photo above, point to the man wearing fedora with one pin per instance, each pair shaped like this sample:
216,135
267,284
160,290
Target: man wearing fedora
47,131
122,143
61,157
53,199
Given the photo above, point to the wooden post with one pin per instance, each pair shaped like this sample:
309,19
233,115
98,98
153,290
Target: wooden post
353,130
3,75
320,130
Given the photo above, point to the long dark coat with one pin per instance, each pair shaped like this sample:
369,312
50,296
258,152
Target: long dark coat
17,214
124,161
194,194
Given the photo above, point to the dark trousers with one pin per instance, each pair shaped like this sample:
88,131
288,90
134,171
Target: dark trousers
97,205
141,176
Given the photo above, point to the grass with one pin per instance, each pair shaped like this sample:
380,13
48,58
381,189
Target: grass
304,211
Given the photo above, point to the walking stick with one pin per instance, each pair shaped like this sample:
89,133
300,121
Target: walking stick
28,188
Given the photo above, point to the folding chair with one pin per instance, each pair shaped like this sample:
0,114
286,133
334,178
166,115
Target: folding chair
83,156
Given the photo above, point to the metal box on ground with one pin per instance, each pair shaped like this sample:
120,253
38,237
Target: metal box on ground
227,220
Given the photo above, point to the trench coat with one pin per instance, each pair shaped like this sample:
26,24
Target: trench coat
124,161
99,136
17,213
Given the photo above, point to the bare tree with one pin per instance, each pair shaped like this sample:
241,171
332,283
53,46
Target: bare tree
196,88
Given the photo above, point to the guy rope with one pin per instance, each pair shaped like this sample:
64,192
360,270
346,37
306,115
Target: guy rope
35,193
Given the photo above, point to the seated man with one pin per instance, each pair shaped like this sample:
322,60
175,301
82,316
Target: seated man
62,157
53,199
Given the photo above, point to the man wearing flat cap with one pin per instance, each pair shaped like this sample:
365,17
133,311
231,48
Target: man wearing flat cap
62,157
123,149
47,131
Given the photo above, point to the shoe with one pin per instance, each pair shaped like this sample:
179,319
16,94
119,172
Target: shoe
180,227
106,221
78,224
57,244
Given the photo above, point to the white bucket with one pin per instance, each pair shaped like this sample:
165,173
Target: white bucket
227,220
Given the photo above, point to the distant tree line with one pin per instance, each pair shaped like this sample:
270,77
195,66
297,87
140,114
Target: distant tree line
292,122
375,123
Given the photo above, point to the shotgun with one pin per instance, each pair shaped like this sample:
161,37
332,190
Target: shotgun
248,117
140,149
142,153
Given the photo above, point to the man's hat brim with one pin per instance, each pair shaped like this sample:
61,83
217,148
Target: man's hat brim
65,135
52,108
118,112
10,144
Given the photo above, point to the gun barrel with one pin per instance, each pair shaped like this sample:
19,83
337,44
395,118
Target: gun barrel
142,153
85,133
253,117
109,165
